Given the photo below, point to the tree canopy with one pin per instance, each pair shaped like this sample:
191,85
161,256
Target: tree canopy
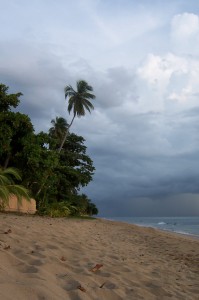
53,178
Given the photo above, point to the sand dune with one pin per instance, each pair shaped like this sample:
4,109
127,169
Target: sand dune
43,258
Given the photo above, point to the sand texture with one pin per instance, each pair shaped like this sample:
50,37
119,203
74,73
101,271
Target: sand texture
43,258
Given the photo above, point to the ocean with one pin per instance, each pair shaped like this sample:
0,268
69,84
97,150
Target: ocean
182,225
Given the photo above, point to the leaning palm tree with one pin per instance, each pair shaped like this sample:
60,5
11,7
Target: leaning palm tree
78,103
9,188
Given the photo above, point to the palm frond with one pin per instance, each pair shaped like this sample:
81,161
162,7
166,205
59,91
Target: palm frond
4,180
4,194
88,104
89,96
69,91
9,188
19,191
78,101
12,171
70,104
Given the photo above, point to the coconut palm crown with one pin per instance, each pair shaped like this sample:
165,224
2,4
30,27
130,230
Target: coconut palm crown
60,126
78,102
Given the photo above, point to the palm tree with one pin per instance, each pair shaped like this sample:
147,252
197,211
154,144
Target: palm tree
60,126
78,102
9,188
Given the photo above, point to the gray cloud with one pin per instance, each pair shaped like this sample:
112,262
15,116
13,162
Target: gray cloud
176,205
115,85
143,133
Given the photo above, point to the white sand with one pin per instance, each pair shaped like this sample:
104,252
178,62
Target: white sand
43,258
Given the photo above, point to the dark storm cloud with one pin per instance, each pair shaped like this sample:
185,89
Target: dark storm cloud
115,85
175,205
41,79
143,134
141,164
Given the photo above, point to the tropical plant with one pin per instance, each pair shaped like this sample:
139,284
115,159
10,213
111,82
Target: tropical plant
73,170
84,206
59,128
78,102
9,188
8,100
56,210
15,127
53,178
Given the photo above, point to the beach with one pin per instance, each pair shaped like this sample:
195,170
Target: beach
45,258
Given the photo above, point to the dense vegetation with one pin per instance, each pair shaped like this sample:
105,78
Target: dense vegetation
54,165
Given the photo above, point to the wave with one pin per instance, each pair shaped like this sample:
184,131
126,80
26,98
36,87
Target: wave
183,232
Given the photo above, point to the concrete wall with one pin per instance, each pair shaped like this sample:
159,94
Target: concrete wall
28,207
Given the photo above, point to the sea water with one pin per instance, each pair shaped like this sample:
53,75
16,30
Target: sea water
182,225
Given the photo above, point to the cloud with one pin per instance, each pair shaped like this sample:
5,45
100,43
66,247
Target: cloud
185,33
153,157
158,70
178,205
170,81
141,57
115,86
185,25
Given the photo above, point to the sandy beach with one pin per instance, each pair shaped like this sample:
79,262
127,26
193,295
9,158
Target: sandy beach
43,258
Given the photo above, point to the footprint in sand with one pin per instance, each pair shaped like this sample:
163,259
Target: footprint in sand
70,285
28,269
109,285
37,254
20,254
36,262
38,247
52,247
103,274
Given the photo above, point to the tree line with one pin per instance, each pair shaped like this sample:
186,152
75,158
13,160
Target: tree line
53,166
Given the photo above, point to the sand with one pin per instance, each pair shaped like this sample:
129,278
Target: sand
43,258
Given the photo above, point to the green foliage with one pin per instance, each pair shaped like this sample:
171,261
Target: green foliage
8,101
37,162
14,132
84,205
56,210
8,187
54,178
59,129
76,205
78,101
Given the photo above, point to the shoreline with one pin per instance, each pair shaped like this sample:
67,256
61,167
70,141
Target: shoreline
44,258
186,234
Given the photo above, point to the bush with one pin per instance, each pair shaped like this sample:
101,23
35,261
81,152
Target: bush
56,210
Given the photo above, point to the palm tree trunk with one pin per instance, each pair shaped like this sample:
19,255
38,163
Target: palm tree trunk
42,185
7,161
65,136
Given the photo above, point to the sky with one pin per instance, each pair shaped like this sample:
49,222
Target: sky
142,60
